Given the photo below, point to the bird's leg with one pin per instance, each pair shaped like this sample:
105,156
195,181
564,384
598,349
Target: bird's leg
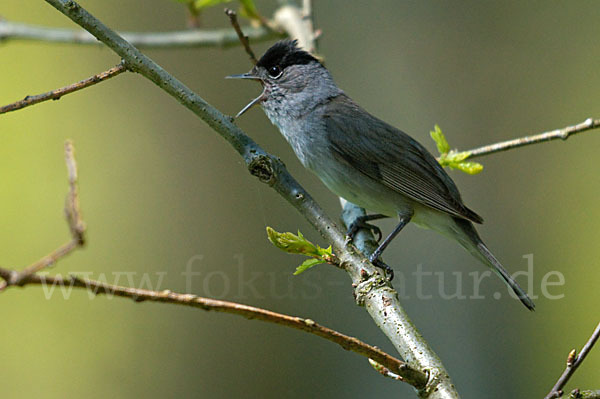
361,223
375,256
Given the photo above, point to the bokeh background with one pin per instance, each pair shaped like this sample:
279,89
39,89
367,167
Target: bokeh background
161,191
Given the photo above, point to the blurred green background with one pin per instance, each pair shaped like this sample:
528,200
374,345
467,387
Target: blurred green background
161,191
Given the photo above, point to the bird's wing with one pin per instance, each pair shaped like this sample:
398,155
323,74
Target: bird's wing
391,157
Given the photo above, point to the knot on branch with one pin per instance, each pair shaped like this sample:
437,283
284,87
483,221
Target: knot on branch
364,288
434,379
71,5
262,167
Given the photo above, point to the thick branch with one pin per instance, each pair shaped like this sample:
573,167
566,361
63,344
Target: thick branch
177,39
562,134
573,362
377,291
58,93
407,373
394,321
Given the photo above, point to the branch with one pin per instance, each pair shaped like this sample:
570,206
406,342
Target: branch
379,297
58,93
394,321
573,362
406,372
242,38
76,225
176,39
562,134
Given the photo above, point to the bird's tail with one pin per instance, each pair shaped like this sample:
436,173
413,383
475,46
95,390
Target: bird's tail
473,243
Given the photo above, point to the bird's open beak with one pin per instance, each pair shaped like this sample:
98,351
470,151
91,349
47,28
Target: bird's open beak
257,100
248,75
252,103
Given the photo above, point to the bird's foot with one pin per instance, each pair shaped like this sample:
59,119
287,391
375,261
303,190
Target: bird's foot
387,270
361,223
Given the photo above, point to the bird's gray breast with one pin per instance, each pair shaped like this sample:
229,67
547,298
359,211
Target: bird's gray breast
304,131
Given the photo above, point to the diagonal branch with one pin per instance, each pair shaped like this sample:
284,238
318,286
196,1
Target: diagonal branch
406,372
58,93
376,292
573,362
562,134
167,40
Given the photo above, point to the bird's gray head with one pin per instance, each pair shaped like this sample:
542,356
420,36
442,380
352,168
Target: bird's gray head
293,81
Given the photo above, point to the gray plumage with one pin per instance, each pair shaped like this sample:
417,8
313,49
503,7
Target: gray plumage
361,158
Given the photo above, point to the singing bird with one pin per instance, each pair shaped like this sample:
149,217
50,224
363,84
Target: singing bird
362,158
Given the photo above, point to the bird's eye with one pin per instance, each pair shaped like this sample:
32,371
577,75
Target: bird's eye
275,71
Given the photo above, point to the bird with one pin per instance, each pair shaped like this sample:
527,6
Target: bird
361,158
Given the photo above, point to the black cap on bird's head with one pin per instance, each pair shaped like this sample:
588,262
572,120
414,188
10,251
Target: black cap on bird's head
272,65
282,55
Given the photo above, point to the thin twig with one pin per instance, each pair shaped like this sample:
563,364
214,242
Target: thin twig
58,93
573,362
76,225
562,134
243,38
72,209
167,40
406,372
384,371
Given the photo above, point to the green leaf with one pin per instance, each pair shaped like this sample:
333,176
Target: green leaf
307,264
440,140
453,158
471,168
297,244
326,251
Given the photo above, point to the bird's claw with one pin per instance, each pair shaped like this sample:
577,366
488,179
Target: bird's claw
360,223
387,270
